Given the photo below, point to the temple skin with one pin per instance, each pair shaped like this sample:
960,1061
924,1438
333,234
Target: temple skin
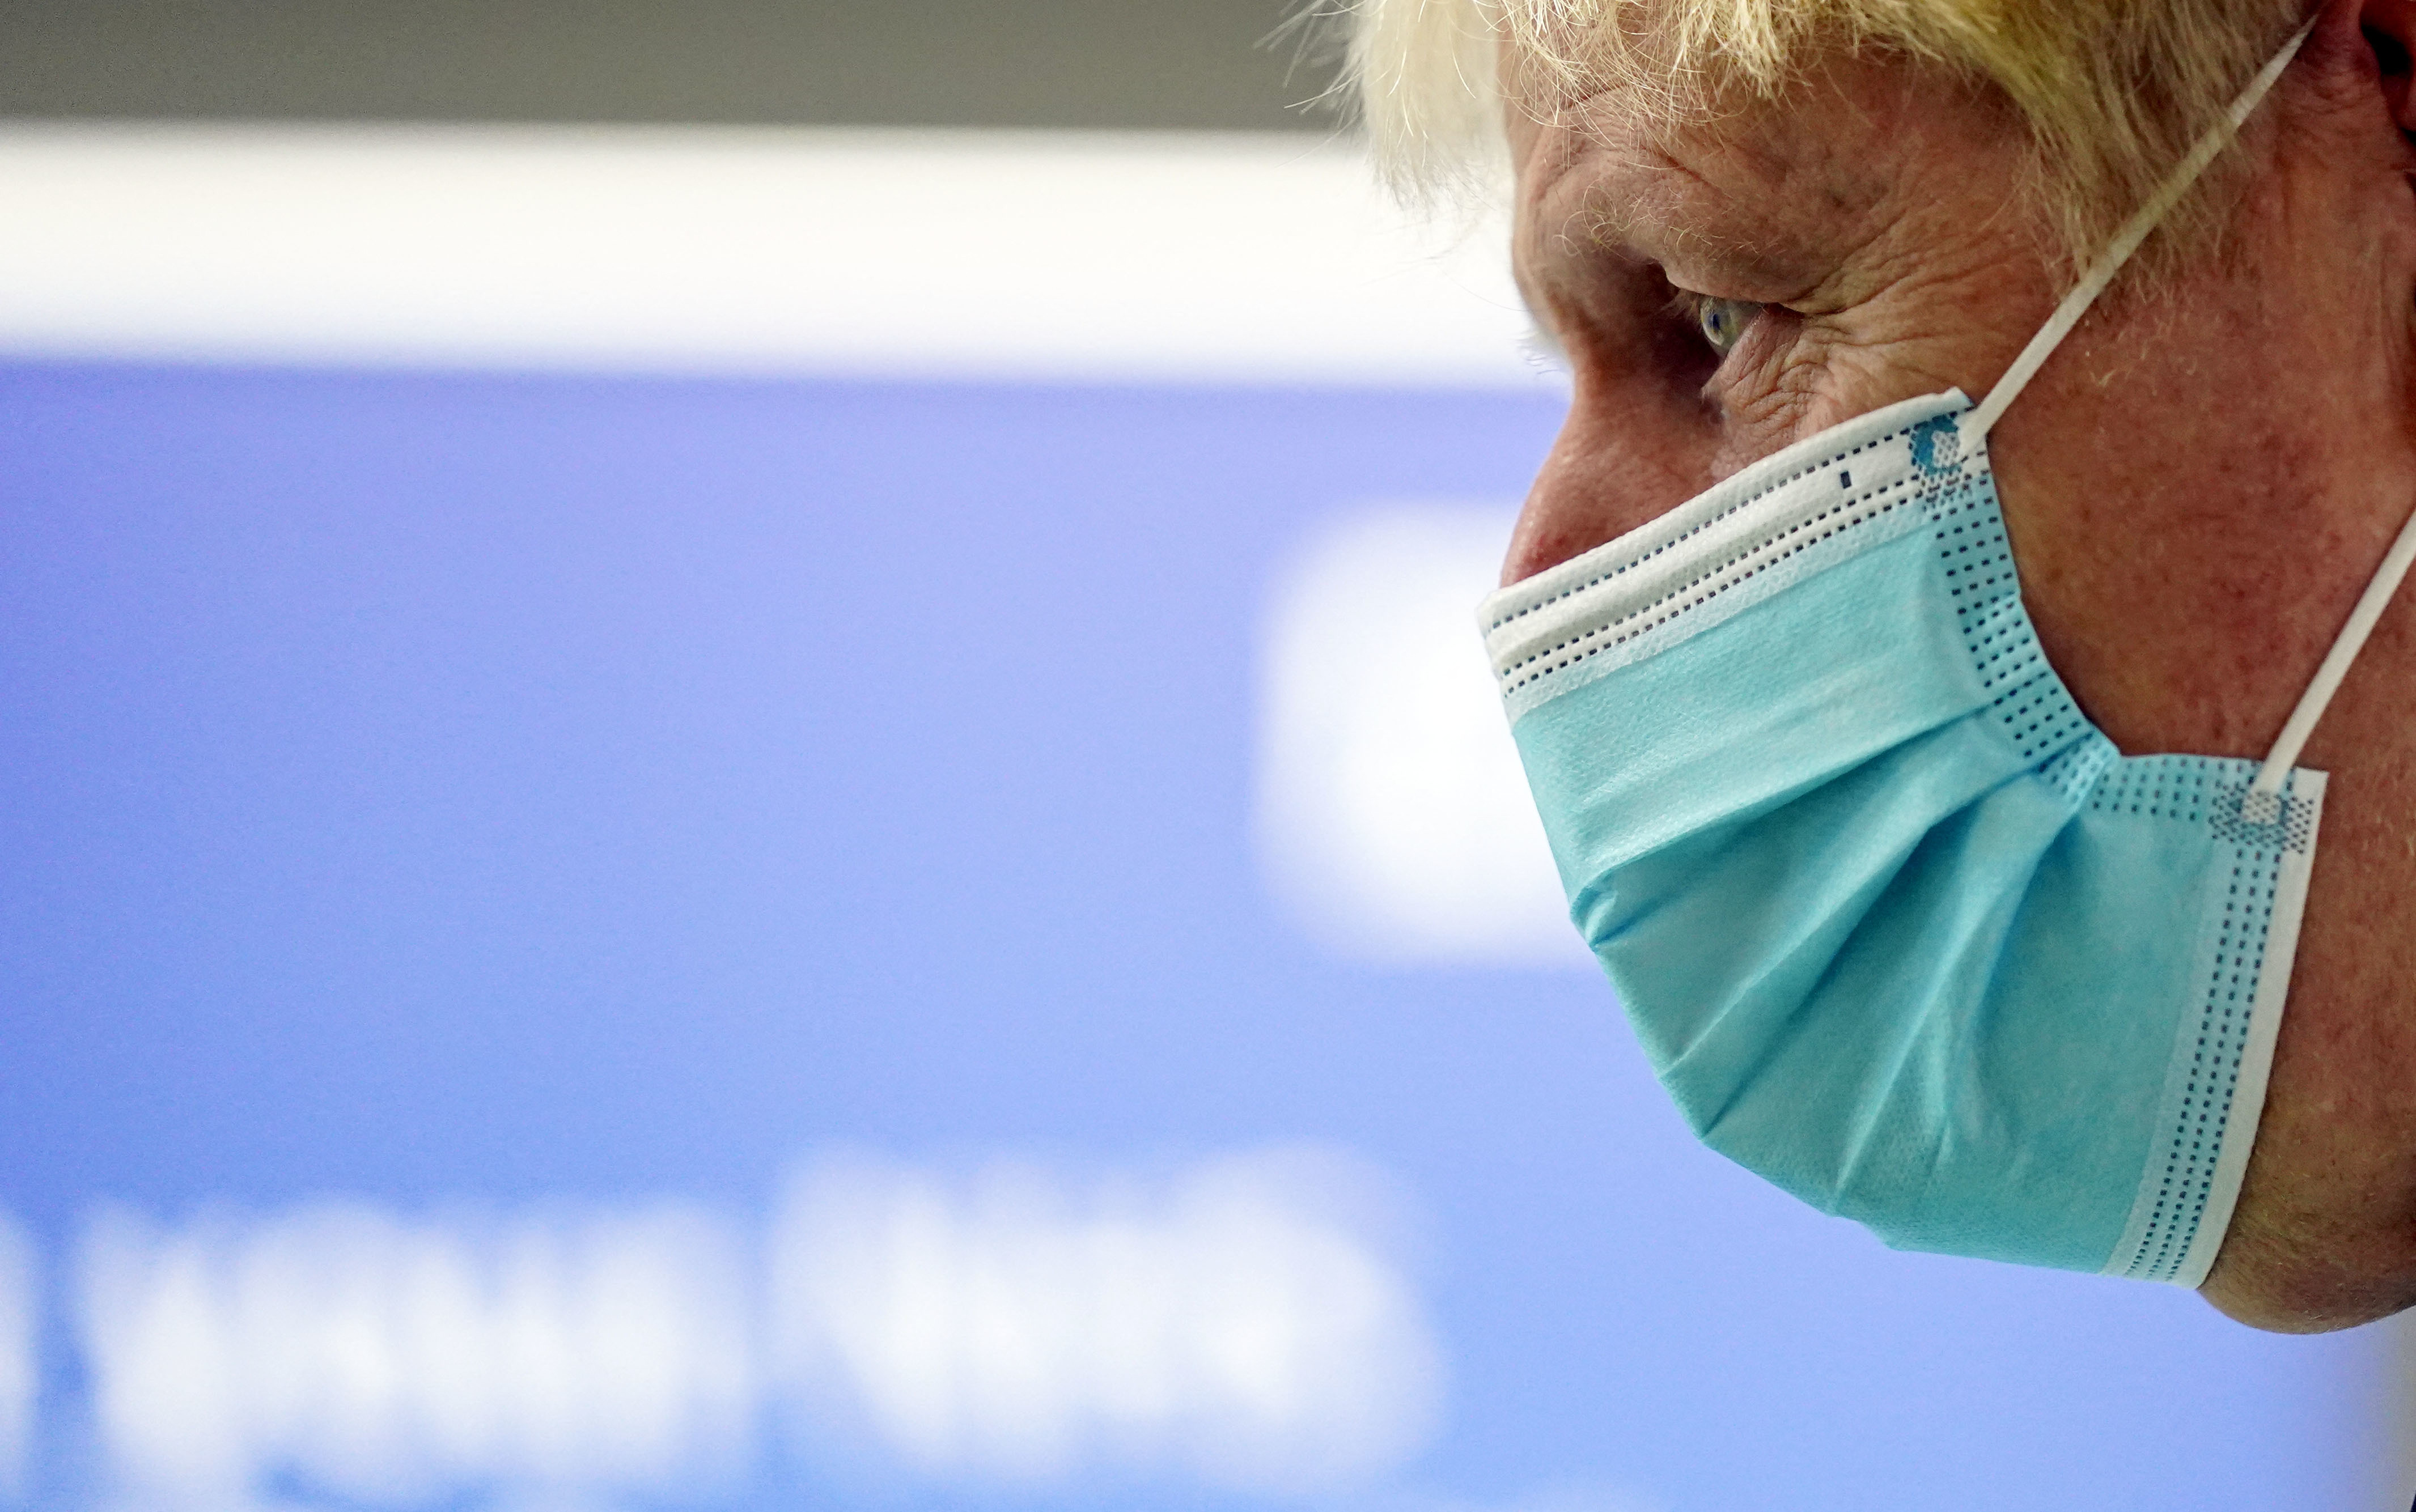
2198,485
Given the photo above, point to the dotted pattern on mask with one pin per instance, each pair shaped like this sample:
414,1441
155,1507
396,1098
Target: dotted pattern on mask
2027,699
2187,1182
2294,830
2205,790
2074,770
2208,791
1740,566
2032,705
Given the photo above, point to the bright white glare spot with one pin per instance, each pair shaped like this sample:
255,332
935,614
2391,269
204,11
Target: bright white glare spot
20,1355
1393,818
374,1358
1138,255
1235,1322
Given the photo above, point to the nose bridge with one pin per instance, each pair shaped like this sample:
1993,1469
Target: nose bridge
1625,457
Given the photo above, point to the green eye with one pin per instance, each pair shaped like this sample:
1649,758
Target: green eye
1724,322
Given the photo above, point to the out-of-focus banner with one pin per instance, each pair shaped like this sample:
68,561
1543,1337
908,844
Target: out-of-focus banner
716,818
1229,1324
719,249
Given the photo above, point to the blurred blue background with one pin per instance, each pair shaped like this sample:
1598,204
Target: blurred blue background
768,806
504,789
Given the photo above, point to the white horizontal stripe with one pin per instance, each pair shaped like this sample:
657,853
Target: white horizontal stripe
1742,494
1158,257
1726,544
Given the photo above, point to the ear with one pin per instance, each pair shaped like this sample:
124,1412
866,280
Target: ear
2389,27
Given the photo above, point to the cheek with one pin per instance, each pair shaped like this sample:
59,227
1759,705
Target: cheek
1634,447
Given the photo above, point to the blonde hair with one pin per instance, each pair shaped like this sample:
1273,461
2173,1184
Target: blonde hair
2112,91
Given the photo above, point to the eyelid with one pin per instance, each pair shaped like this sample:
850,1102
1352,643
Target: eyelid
1696,309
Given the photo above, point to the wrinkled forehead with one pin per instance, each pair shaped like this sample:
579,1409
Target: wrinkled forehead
1775,189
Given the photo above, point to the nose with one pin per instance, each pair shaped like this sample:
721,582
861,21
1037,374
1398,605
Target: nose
1628,452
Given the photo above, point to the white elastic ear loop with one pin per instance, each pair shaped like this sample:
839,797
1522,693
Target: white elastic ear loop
2327,681
2263,803
2126,242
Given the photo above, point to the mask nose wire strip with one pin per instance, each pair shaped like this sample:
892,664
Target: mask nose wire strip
2126,242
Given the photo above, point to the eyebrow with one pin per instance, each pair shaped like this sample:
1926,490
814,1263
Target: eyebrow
1648,162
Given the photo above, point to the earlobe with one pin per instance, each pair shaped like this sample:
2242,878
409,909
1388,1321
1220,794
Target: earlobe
2389,27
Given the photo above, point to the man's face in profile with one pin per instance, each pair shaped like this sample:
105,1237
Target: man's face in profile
2197,487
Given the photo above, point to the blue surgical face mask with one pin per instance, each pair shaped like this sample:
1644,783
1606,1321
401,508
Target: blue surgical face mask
1899,929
